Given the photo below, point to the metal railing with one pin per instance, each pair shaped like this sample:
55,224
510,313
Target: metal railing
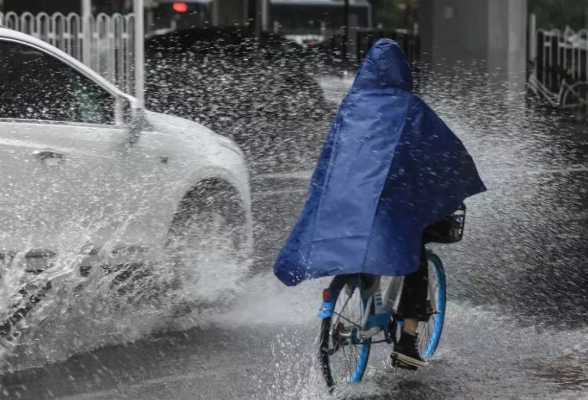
106,45
559,68
561,55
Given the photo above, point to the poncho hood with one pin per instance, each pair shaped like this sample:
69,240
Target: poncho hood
385,66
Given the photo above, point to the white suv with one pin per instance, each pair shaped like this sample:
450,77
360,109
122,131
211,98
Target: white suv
85,177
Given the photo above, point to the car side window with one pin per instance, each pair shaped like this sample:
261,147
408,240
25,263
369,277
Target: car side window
37,86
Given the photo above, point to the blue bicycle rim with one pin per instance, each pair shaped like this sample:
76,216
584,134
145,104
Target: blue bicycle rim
441,297
362,360
357,364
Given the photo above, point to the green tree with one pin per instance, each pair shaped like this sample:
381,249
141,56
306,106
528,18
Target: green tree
560,13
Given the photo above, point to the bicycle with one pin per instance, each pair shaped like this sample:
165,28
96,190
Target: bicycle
355,315
574,99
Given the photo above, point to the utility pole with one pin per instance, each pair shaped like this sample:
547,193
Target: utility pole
86,26
138,10
264,15
86,7
345,47
258,19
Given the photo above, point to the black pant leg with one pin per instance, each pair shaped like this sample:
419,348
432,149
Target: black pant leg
413,301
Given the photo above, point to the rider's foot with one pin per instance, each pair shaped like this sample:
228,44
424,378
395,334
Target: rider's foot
406,355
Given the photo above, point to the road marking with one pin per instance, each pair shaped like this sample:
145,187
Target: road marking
279,192
284,175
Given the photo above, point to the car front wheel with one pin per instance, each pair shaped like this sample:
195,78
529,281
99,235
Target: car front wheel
209,244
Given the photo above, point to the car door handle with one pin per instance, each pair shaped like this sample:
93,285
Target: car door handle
49,157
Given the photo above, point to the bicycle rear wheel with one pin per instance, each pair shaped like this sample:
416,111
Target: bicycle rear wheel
344,359
430,330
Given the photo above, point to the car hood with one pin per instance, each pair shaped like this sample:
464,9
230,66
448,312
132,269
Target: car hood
187,130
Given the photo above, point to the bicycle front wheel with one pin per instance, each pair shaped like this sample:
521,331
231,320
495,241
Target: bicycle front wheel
344,359
430,330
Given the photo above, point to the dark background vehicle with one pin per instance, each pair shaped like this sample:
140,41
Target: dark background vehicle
296,17
248,89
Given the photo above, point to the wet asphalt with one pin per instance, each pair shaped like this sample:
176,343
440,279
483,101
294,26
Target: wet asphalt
517,325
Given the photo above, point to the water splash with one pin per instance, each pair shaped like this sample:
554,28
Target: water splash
74,305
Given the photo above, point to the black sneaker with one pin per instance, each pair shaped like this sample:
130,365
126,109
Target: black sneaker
406,355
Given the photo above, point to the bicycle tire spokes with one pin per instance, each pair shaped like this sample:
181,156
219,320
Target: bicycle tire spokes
347,320
344,353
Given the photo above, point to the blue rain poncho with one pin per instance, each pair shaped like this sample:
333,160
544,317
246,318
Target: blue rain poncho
389,168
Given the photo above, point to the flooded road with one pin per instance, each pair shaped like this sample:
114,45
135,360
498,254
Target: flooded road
518,290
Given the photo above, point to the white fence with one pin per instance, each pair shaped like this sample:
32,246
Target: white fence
561,54
108,49
559,72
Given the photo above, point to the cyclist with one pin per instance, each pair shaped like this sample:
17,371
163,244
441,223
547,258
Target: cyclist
389,169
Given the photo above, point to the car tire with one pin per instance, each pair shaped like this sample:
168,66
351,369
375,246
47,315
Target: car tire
209,244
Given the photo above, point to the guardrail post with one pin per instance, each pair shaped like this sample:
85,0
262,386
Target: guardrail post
139,53
554,64
540,60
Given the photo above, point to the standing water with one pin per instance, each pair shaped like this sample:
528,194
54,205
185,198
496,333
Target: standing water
517,289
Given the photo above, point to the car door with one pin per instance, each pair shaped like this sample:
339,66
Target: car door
69,172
